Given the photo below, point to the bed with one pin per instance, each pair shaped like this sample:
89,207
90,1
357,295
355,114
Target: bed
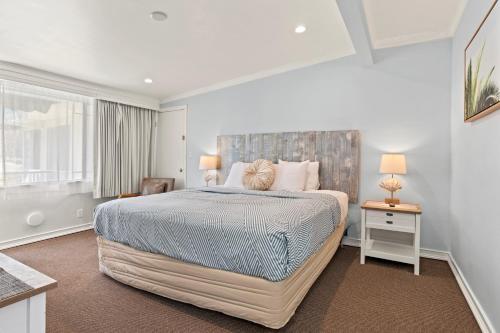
249,254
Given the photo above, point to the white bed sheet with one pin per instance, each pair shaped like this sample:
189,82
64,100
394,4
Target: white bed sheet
342,197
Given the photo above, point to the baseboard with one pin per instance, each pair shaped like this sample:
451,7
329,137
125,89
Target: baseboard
44,235
349,241
433,254
476,308
482,319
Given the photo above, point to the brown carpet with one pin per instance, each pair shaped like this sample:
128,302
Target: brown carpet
380,296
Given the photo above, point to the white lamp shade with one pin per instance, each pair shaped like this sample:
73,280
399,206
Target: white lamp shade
393,164
209,162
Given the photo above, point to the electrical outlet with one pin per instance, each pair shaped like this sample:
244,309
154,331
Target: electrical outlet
79,213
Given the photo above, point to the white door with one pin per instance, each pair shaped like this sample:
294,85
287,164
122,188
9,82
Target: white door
171,145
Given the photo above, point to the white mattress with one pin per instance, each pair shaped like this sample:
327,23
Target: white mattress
342,197
259,300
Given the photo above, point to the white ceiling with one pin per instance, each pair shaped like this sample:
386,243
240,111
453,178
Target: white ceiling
203,42
400,22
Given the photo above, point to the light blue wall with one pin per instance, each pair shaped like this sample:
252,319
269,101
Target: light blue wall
400,104
475,181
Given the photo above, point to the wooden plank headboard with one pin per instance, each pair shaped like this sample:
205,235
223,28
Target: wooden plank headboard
337,151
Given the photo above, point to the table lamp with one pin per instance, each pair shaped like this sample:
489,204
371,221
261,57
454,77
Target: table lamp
392,164
209,162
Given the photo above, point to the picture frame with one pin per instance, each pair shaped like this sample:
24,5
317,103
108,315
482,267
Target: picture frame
482,68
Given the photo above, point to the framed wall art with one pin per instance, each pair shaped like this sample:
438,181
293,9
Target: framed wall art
482,68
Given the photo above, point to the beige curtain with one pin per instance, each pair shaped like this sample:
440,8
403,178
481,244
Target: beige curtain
124,148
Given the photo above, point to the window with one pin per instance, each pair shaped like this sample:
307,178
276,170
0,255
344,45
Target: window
45,136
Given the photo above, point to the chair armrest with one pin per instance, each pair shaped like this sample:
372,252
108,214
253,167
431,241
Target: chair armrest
169,184
129,195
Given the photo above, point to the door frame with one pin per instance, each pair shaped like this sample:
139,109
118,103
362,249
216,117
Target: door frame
183,108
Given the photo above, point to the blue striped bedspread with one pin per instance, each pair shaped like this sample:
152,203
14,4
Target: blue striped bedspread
264,234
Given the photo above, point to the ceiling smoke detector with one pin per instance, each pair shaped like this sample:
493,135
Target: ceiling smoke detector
158,16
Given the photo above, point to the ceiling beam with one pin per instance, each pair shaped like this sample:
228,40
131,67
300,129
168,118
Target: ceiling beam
355,20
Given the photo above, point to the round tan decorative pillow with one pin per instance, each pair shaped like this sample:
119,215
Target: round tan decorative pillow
259,175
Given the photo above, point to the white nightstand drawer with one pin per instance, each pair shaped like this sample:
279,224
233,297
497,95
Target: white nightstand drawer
390,215
395,223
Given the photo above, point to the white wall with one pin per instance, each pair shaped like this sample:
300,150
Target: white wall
59,211
400,104
475,180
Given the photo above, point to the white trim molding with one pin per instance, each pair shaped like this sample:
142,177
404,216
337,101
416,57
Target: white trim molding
251,77
410,39
350,241
24,74
477,310
174,108
44,235
458,17
421,37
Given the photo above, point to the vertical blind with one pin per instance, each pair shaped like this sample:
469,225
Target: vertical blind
45,136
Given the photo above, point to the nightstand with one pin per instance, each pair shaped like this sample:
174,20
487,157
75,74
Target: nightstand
402,218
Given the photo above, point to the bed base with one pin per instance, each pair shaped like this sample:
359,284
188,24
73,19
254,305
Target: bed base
268,303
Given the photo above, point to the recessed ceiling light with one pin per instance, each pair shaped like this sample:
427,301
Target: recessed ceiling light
148,80
300,29
158,16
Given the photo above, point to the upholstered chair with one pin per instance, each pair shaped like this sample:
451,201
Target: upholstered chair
152,186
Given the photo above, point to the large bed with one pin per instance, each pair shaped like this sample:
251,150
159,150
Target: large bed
249,254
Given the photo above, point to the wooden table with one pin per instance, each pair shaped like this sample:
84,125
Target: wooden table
24,312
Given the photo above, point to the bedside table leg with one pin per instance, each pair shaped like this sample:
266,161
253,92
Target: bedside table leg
363,236
417,245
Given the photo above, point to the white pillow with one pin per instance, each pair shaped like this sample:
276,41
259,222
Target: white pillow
312,180
235,177
290,176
